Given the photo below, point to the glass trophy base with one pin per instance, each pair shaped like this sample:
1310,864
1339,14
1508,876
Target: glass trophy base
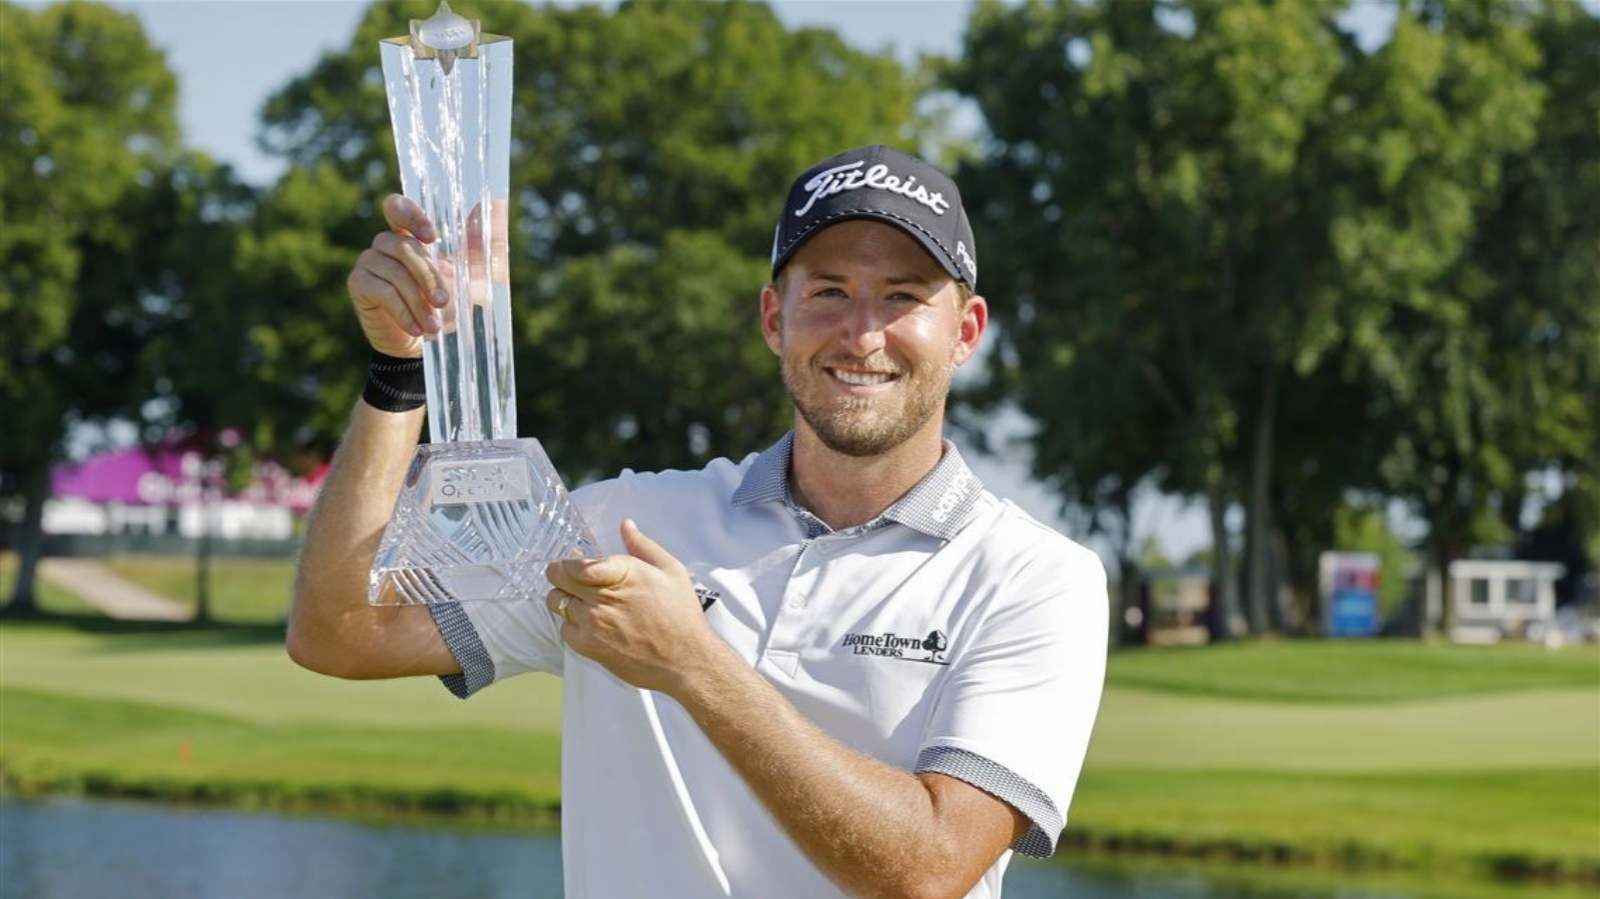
477,522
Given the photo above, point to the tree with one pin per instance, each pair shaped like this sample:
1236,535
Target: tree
199,363
1491,367
86,119
1202,218
1140,197
653,145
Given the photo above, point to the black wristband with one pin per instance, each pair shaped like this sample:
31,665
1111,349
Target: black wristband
395,384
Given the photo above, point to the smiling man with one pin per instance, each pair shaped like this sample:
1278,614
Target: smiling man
839,665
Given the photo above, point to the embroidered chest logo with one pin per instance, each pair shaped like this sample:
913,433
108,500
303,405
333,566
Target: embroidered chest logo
889,645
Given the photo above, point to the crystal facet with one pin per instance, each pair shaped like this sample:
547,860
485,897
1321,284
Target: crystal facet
477,521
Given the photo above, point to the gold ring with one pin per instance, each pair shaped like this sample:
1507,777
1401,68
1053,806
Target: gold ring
561,607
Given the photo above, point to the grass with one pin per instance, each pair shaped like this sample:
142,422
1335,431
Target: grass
55,743
52,600
1365,671
1382,756
1137,877
1471,821
243,673
1524,820
243,591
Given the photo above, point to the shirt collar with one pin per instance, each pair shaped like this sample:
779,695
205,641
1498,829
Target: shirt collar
938,505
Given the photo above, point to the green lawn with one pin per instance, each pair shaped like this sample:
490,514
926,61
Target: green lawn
244,674
1365,671
1388,754
52,599
56,743
245,591
1452,818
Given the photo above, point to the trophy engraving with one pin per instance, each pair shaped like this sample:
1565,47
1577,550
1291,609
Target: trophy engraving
481,511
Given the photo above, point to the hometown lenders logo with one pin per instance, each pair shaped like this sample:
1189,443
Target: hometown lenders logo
889,645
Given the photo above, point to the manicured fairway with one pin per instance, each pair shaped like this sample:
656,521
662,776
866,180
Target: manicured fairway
1364,671
245,674
1543,727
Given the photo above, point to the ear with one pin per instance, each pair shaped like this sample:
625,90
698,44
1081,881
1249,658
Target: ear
772,319
974,321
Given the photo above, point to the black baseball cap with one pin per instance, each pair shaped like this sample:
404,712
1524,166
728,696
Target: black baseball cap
884,184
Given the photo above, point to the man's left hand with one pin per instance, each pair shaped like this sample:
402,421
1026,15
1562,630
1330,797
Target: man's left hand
635,614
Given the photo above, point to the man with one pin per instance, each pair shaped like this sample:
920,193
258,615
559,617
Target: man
838,665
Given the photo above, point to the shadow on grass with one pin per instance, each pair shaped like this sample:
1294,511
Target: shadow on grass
152,635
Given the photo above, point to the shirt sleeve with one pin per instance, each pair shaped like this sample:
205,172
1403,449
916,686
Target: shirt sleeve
492,641
1015,716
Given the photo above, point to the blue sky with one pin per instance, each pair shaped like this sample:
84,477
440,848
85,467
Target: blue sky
231,54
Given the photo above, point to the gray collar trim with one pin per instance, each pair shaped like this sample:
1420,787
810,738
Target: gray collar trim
937,506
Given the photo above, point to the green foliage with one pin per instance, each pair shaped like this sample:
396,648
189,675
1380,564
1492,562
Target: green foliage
86,121
1494,377
1230,247
653,145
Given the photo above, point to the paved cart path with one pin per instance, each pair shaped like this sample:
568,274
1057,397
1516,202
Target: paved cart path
102,588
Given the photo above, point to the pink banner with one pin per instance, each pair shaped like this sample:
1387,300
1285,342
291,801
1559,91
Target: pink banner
171,475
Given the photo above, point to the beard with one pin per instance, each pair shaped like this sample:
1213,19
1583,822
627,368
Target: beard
867,425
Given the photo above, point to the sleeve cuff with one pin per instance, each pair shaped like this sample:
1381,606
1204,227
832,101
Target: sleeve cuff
477,669
1003,784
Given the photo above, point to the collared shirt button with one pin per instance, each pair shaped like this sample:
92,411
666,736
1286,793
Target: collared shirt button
797,602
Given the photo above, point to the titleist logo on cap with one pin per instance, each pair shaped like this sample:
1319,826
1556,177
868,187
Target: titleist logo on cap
849,176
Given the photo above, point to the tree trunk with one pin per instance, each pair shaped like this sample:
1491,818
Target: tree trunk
1130,631
30,541
1290,616
202,579
1224,586
1445,526
1258,522
1127,570
1443,555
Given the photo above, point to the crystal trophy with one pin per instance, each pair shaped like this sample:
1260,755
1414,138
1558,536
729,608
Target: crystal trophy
481,511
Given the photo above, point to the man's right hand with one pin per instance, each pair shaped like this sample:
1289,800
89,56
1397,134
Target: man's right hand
396,287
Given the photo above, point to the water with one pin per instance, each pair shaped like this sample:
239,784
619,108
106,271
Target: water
71,848
63,848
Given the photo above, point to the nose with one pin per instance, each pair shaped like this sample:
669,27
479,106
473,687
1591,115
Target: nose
862,329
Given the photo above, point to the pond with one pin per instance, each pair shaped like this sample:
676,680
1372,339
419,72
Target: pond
73,848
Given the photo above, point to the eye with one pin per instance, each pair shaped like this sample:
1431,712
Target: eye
903,297
831,292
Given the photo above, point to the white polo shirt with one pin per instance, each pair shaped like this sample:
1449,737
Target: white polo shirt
953,633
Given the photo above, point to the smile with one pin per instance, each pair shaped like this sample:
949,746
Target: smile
862,381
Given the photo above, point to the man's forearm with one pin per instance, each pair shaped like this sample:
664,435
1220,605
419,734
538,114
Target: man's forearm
870,827
330,609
